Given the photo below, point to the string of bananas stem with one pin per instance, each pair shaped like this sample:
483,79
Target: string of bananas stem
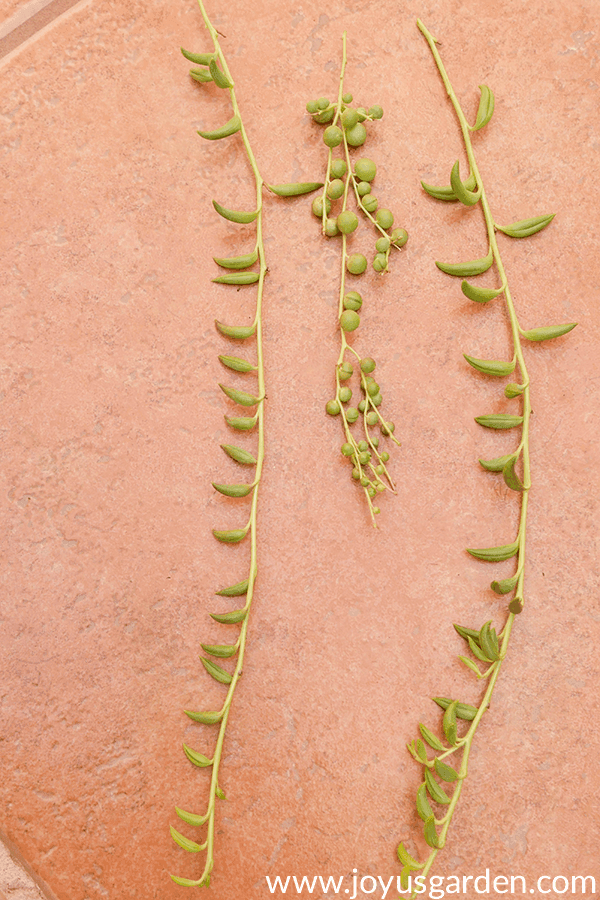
213,69
347,129
487,648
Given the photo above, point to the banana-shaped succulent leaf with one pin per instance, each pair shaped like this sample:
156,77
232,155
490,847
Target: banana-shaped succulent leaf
525,227
445,192
477,652
242,398
230,618
548,332
237,332
449,725
406,859
237,262
201,75
235,590
191,818
240,455
184,842
468,269
466,197
216,671
446,773
225,130
237,364
296,189
495,554
467,633
233,490
478,294
471,665
431,738
436,792
491,366
233,215
220,79
495,465
237,278
221,651
430,833
230,537
201,59
486,107
205,718
463,710
499,421
423,806
505,586
241,423
197,758
511,478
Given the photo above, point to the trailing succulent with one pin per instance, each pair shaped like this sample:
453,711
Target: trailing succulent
445,769
345,130
239,271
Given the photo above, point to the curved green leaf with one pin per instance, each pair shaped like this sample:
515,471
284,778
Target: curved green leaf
216,671
513,390
491,366
446,193
230,618
548,332
184,842
225,130
201,59
495,554
295,190
238,332
463,710
430,833
446,773
471,665
468,269
236,590
485,110
431,738
241,456
449,724
495,465
500,421
505,586
406,859
525,227
219,78
436,792
233,215
205,718
511,478
237,262
221,651
239,278
197,758
242,423
186,882
480,295
233,490
230,537
467,633
466,197
242,398
488,640
477,652
423,806
191,818
201,75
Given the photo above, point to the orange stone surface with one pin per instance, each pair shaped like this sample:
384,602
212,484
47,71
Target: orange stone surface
111,420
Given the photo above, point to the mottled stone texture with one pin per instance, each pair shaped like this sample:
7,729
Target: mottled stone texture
111,422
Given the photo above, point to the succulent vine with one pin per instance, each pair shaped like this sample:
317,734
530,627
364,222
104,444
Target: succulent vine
486,647
346,129
211,68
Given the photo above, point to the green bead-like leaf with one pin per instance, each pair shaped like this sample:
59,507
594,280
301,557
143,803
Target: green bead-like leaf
495,465
190,846
499,421
491,366
468,269
242,398
406,859
238,332
463,710
237,364
219,78
511,478
424,809
236,590
437,793
431,738
205,718
216,671
295,190
466,197
198,759
446,773
237,262
479,294
486,107
239,455
233,215
549,332
430,833
525,227
239,278
225,130
230,618
505,586
221,651
449,723
201,59
230,537
495,554
191,818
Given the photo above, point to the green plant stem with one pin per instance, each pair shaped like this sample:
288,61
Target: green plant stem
214,783
466,742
